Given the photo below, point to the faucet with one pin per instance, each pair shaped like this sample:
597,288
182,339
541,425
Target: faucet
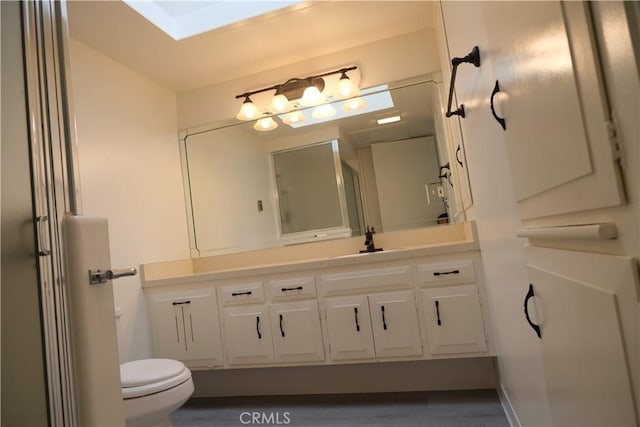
368,241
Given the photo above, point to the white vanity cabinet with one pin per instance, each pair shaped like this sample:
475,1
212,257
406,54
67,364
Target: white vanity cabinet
246,324
371,324
258,330
452,312
185,326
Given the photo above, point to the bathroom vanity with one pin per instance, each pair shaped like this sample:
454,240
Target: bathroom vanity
280,308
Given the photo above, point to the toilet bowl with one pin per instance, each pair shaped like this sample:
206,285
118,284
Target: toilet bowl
152,389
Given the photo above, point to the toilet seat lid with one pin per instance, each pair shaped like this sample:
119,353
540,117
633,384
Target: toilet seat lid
149,371
144,377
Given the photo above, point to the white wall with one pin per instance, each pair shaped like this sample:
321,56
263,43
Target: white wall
130,174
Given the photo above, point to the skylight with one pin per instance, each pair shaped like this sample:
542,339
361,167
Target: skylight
182,19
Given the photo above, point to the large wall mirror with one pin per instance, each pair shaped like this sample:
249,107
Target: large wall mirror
248,189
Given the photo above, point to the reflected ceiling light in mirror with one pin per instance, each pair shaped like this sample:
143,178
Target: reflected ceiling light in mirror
323,111
387,120
265,124
248,110
294,117
354,104
376,98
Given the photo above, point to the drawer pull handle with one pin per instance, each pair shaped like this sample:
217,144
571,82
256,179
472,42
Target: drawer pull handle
438,313
535,327
297,288
355,312
235,294
445,273
258,327
384,320
281,328
181,302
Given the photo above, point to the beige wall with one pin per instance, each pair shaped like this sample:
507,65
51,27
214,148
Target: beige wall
384,61
130,173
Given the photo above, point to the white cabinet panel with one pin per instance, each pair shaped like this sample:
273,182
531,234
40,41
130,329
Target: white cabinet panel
296,331
584,303
555,108
247,335
453,319
395,324
185,326
349,327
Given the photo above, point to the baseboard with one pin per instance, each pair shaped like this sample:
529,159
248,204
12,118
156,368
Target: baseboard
507,407
427,375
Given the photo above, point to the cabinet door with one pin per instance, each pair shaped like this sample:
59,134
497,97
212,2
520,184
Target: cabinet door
349,327
247,335
453,319
395,324
185,326
544,57
583,302
202,327
296,331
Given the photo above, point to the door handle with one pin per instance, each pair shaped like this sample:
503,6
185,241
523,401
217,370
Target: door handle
97,277
535,327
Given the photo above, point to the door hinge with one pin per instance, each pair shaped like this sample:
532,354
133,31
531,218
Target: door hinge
612,135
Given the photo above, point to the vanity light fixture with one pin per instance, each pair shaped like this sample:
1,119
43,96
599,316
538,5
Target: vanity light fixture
297,93
387,120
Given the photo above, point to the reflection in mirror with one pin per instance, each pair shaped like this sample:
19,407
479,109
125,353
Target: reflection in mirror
248,189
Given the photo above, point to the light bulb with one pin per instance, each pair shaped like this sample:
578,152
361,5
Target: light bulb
346,88
354,104
311,96
323,111
280,104
248,111
294,117
265,124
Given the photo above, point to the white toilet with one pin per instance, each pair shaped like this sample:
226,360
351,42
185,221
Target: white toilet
152,389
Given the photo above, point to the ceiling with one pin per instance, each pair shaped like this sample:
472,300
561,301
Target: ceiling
296,33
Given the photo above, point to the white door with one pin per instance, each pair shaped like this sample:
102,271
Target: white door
247,335
394,322
582,302
544,58
349,327
453,319
296,331
167,325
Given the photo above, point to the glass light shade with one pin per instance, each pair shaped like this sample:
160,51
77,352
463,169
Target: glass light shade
311,96
354,104
294,117
323,111
346,88
280,104
265,124
248,111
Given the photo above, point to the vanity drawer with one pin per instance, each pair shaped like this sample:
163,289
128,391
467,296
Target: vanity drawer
446,273
291,289
246,293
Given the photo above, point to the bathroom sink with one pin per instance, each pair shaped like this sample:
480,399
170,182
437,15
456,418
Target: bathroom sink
361,254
